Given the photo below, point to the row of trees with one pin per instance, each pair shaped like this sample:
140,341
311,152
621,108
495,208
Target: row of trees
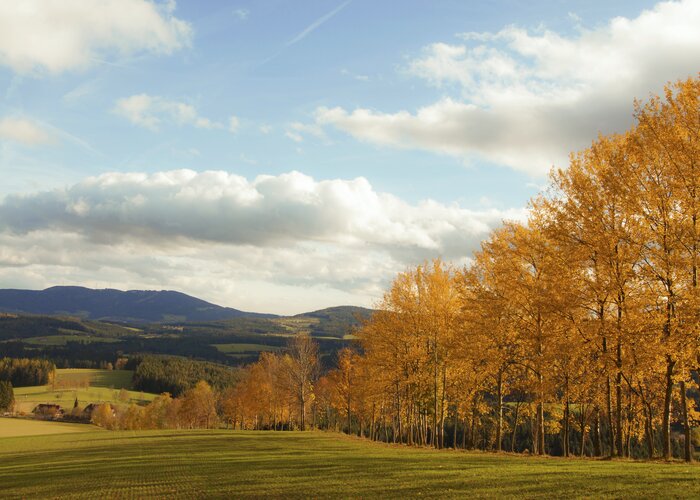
23,372
575,332
196,408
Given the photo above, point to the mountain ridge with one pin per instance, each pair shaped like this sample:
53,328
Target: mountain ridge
111,304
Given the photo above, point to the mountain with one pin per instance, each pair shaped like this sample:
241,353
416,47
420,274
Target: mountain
117,305
335,321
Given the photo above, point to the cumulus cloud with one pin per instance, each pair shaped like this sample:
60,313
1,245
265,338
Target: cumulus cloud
525,99
296,131
58,35
24,131
150,111
331,238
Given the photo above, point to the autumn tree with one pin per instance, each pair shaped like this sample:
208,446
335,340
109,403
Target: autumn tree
300,368
198,407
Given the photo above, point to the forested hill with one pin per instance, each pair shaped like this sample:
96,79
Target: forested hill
117,305
336,321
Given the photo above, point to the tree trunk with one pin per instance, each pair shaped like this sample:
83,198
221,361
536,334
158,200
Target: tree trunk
499,427
649,433
618,402
611,433
540,428
597,444
566,427
666,430
454,432
687,445
515,426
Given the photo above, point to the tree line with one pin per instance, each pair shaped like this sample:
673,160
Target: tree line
575,332
174,375
196,408
24,372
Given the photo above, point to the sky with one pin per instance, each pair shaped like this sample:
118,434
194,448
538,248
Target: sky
285,156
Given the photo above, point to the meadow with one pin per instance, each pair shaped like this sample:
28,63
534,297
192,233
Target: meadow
17,427
87,385
295,464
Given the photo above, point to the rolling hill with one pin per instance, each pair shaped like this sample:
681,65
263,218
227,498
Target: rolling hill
115,305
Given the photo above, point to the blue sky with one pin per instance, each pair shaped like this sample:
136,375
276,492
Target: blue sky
285,156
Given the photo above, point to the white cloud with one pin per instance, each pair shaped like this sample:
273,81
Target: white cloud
525,99
24,131
297,130
181,229
59,35
233,124
241,14
265,129
150,111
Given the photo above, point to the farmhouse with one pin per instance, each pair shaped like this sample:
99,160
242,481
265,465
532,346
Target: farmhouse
90,409
48,410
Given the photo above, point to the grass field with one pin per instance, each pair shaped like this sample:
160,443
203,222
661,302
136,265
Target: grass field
243,348
64,339
293,464
104,385
16,427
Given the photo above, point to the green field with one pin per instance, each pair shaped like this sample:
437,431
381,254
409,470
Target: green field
293,464
64,339
242,348
14,427
89,386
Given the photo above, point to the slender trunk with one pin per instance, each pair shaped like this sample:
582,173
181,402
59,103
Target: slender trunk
566,427
433,440
540,428
582,425
597,444
464,433
454,432
649,431
442,407
618,400
499,427
611,433
687,445
666,430
515,426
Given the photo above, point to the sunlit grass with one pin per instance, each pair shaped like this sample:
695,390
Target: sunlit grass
16,427
295,464
104,385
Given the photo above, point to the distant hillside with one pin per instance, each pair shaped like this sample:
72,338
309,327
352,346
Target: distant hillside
117,305
336,321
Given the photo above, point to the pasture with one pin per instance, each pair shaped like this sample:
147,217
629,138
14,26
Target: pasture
17,427
244,348
87,385
294,464
55,340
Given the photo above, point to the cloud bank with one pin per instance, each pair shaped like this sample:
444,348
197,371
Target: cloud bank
52,36
525,99
211,231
